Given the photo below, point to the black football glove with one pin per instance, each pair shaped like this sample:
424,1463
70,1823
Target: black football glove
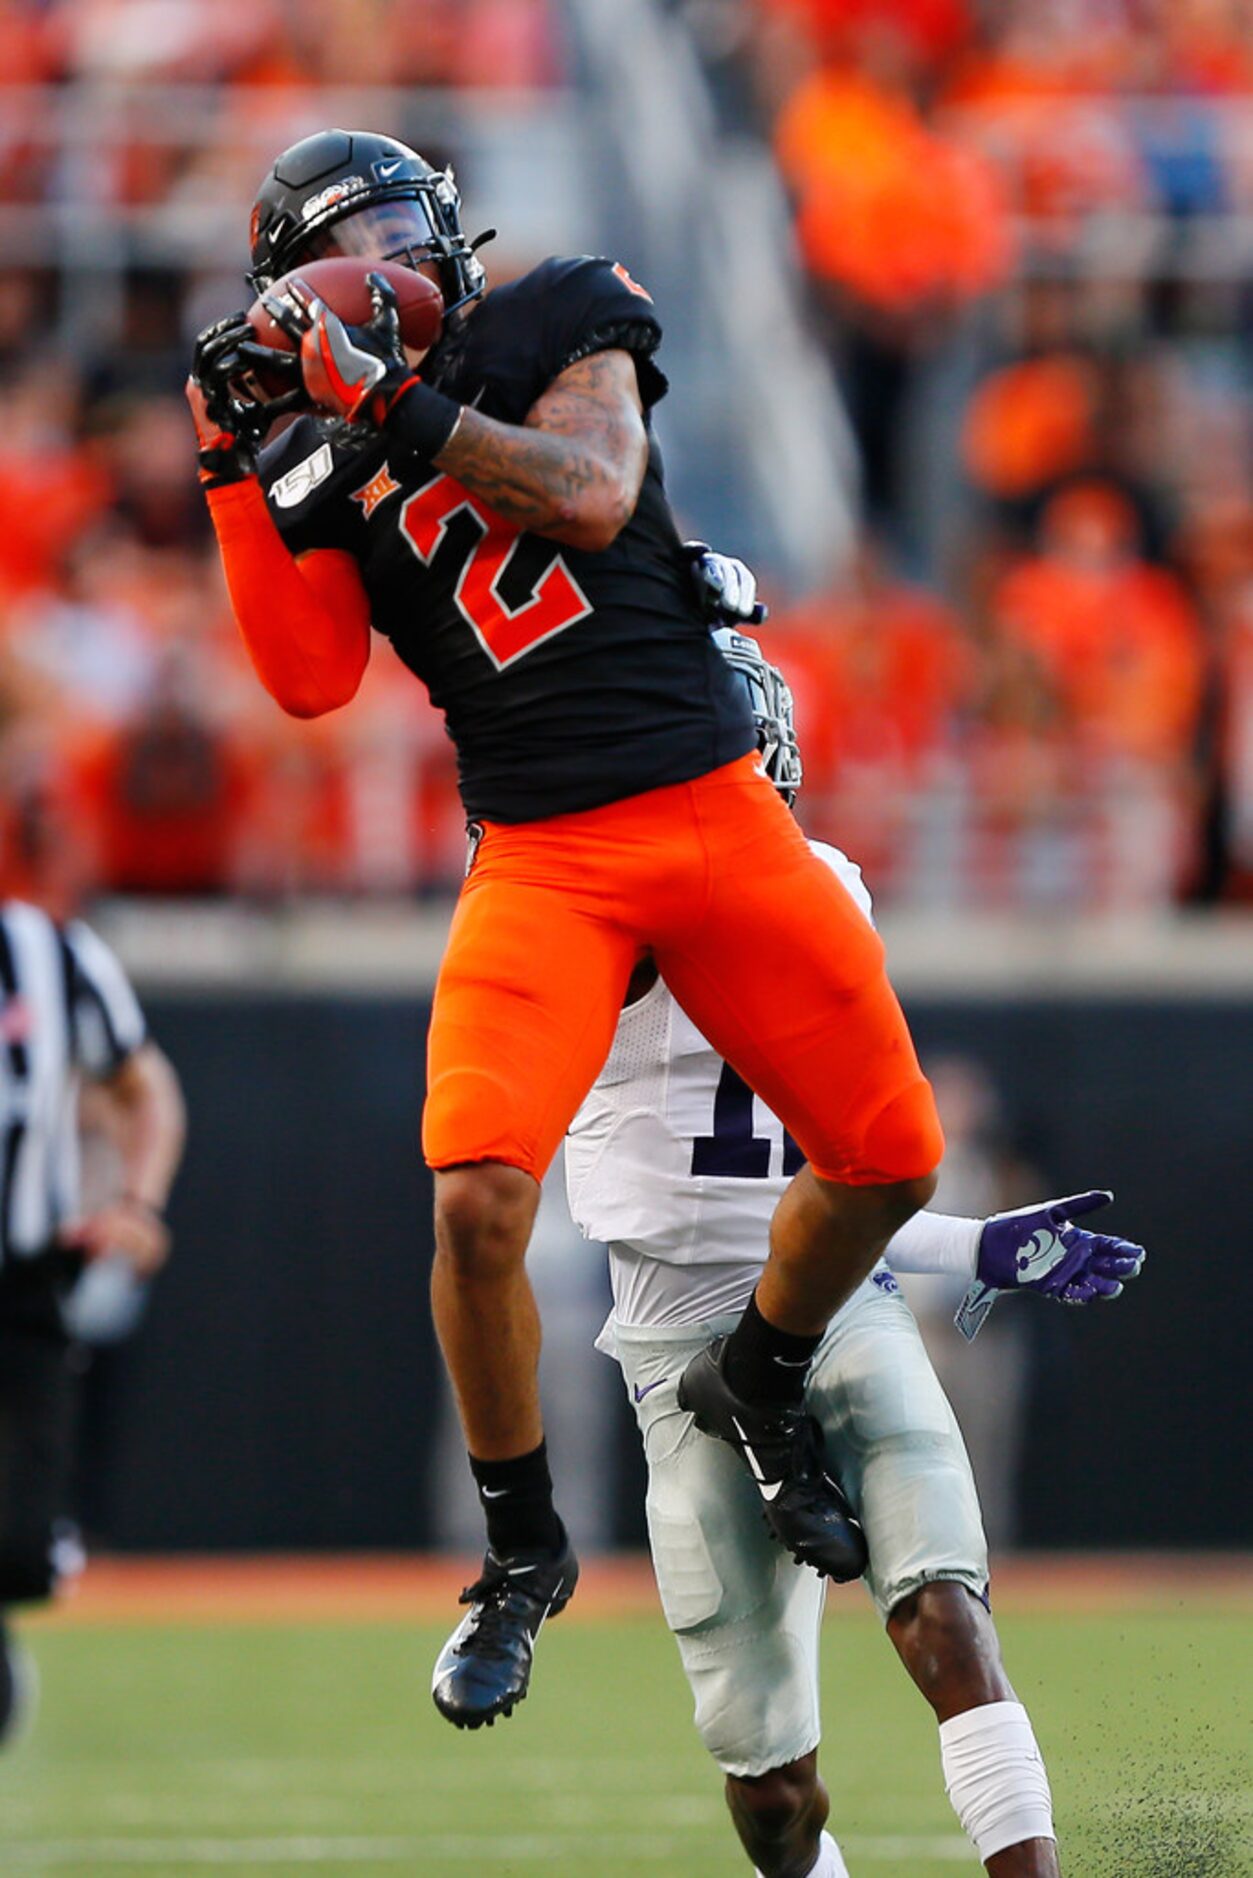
229,417
726,589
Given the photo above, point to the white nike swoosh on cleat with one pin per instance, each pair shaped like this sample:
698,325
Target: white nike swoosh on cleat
769,1488
493,1493
517,1571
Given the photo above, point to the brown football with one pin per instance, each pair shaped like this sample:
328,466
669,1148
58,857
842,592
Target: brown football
341,282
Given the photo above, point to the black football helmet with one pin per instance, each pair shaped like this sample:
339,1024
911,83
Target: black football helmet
355,192
771,702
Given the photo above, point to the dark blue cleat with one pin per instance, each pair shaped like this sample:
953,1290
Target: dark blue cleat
782,1448
485,1667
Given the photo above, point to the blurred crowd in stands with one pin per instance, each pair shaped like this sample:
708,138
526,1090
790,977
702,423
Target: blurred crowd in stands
270,43
1027,230
1028,233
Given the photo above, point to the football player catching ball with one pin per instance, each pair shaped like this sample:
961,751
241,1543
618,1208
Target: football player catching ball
495,507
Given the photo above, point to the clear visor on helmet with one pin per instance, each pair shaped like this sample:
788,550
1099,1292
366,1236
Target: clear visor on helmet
399,230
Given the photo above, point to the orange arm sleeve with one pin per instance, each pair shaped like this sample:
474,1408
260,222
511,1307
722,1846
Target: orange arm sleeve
306,623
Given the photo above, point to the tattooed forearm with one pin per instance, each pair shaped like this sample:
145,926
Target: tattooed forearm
573,470
529,477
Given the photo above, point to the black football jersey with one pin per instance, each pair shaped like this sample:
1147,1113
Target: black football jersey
567,679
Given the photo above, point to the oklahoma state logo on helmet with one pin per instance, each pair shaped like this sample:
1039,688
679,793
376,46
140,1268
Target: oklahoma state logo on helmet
632,285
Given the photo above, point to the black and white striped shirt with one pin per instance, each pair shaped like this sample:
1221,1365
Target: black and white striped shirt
66,1010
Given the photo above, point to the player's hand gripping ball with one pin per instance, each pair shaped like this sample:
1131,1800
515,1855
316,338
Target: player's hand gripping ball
228,414
353,323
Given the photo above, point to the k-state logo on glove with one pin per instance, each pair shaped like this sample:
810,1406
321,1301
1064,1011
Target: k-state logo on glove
1043,1251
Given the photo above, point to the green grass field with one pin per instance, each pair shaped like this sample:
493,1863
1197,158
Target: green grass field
163,1751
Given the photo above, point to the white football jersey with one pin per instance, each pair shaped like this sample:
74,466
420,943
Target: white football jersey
673,1162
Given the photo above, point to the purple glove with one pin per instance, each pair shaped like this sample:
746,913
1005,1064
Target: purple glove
1039,1248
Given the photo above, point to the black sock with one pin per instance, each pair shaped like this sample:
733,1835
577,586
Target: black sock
517,1501
763,1364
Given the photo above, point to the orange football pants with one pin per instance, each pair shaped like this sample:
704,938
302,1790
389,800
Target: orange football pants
757,939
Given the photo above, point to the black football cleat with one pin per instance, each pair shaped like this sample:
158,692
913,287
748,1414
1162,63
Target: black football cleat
484,1668
782,1449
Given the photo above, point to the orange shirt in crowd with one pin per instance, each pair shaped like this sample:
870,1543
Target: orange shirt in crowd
887,209
28,51
1207,45
165,799
1030,424
877,675
46,503
1119,638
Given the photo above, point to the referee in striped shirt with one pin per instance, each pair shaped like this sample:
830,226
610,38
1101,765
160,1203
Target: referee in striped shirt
67,1012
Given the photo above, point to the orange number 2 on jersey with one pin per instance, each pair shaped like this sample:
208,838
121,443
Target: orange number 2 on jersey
505,633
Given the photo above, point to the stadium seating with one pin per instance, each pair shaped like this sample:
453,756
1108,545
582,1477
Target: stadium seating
1032,297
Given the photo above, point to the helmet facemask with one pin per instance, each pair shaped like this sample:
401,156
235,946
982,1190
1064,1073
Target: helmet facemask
770,700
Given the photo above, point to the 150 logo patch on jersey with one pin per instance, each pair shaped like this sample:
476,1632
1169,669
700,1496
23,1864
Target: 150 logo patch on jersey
300,481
